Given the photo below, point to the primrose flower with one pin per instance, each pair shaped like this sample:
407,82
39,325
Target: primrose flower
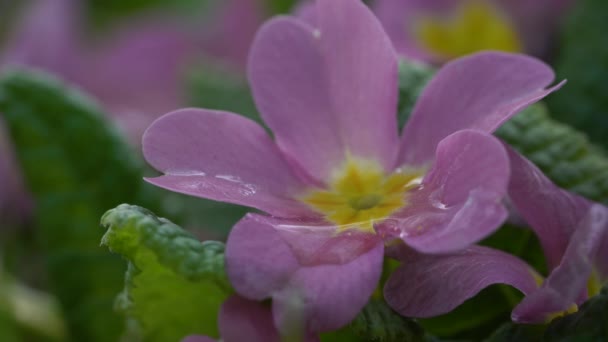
241,319
337,180
573,233
440,30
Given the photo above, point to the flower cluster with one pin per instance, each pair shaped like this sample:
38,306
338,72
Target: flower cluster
342,188
440,30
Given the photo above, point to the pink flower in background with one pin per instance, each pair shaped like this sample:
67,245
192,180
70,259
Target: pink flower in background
135,72
573,233
15,202
439,30
337,179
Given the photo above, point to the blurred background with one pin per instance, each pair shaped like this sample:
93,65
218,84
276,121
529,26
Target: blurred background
82,79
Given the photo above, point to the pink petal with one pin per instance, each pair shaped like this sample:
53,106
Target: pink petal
460,200
427,286
261,264
332,294
223,157
567,283
198,338
258,261
45,37
480,92
133,86
537,21
551,212
246,320
329,90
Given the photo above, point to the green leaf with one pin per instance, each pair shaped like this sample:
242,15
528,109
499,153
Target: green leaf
510,332
588,324
175,284
413,77
76,166
583,60
562,153
379,323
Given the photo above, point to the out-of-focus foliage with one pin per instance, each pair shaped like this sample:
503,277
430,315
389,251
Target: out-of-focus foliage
73,163
583,60
175,284
221,88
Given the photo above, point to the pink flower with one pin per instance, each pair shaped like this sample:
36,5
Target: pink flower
337,179
439,30
573,233
241,320
135,71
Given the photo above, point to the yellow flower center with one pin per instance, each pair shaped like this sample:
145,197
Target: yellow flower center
361,193
475,26
594,285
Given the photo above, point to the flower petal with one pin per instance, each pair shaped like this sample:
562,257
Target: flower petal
229,35
567,283
262,264
332,295
45,37
224,157
246,320
460,200
399,16
537,21
133,87
551,212
480,92
329,90
258,261
198,338
427,286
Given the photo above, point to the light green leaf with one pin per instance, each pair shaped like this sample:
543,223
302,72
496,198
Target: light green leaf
175,284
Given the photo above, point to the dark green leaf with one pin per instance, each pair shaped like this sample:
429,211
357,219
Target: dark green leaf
76,167
175,284
583,60
379,323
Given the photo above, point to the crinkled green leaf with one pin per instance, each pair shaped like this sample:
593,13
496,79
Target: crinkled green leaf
76,167
175,284
561,152
583,60
378,323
